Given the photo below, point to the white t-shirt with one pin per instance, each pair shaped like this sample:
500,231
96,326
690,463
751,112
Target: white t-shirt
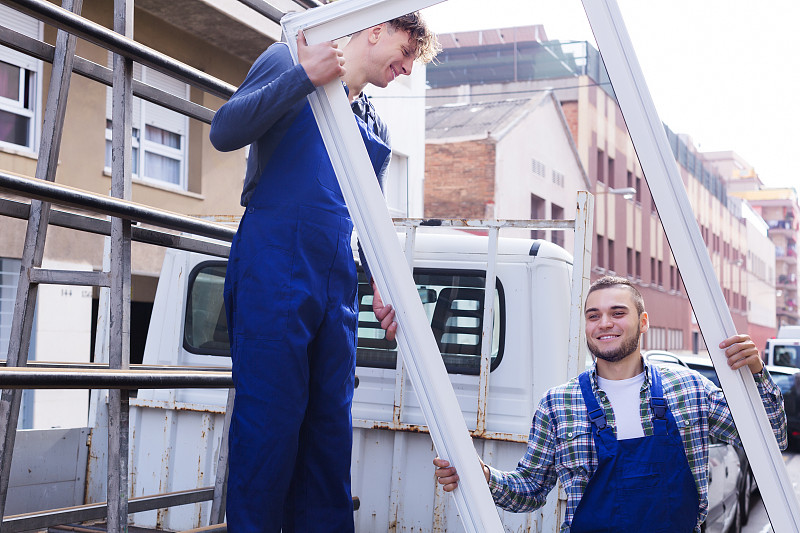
624,397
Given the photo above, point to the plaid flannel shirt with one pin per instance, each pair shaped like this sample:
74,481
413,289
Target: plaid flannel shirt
560,446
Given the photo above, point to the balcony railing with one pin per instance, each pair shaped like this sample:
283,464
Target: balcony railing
782,224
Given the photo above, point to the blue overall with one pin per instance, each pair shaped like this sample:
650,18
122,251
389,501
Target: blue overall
290,298
641,485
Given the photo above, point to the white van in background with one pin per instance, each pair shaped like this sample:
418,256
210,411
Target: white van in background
784,350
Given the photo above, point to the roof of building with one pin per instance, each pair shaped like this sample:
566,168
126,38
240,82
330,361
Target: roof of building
494,36
475,120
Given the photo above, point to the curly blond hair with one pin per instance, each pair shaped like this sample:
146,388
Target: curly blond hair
427,43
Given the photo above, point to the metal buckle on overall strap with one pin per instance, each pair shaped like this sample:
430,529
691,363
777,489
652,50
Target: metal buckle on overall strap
598,418
659,407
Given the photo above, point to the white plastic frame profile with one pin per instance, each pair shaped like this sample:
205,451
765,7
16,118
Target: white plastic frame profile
694,263
370,216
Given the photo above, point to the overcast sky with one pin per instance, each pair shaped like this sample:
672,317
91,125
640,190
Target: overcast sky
725,72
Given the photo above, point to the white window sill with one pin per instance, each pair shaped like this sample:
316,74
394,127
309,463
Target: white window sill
22,152
153,184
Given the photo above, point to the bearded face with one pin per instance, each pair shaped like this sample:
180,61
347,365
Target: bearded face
626,347
613,325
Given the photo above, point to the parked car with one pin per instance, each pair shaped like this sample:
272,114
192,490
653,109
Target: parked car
788,380
730,481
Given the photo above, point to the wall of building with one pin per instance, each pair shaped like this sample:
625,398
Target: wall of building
459,179
402,106
536,162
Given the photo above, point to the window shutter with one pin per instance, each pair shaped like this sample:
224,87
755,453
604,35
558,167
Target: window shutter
25,25
162,117
19,22
137,103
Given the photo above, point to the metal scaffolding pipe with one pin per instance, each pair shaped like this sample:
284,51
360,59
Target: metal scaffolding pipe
263,8
94,511
93,71
106,38
103,366
70,196
63,219
41,378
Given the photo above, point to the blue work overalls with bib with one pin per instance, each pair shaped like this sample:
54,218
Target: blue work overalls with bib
290,298
641,485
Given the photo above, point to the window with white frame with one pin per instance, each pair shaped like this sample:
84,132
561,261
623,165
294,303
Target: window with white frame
9,277
20,85
159,136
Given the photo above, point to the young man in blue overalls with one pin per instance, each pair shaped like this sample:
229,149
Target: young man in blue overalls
291,286
627,440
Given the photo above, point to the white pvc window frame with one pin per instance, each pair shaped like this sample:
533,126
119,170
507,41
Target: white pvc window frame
16,106
386,259
150,114
702,287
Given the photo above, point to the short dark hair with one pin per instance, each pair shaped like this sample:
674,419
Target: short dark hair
607,282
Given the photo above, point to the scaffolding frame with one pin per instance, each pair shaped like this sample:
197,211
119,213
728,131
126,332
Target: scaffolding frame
117,376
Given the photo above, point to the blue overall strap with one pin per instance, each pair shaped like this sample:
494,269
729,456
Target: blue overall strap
658,405
597,416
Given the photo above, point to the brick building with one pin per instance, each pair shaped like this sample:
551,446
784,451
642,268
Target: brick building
511,159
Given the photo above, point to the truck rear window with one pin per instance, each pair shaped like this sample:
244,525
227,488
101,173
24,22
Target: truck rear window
205,330
453,301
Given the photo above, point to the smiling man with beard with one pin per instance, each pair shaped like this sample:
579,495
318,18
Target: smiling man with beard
628,441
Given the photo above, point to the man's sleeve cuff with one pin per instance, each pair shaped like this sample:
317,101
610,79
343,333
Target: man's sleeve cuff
495,480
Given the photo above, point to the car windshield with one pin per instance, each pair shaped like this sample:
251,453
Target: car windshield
787,355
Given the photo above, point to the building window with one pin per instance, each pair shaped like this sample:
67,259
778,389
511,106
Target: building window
9,276
20,86
557,236
653,277
159,136
629,261
610,254
638,265
673,285
638,190
660,274
601,163
600,248
537,213
611,181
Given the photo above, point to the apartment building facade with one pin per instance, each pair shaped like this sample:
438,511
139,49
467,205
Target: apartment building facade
629,239
778,207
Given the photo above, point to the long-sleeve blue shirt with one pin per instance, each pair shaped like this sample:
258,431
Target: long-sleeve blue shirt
264,107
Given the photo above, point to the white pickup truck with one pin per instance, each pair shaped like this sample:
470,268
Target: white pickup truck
176,434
